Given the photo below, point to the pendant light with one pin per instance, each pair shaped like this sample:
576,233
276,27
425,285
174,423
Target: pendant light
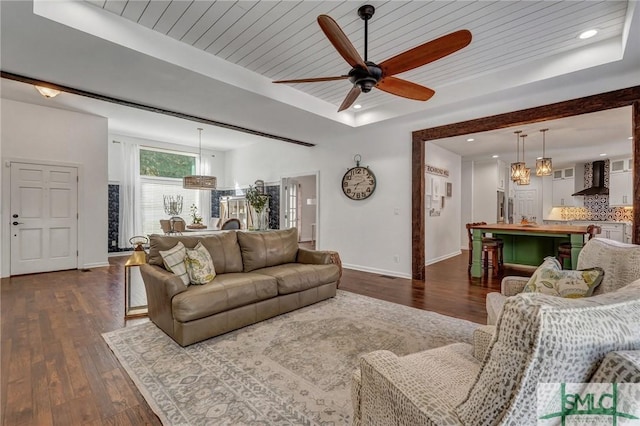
199,181
543,165
517,168
525,175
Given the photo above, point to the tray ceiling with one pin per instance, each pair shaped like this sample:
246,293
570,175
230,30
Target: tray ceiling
281,40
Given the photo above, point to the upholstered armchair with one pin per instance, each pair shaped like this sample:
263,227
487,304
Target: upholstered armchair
621,264
538,339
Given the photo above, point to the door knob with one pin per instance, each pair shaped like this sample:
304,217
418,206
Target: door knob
15,215
17,223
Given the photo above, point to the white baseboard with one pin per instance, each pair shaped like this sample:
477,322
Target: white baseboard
441,258
376,271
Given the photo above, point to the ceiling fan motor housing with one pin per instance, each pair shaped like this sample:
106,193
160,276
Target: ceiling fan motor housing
366,79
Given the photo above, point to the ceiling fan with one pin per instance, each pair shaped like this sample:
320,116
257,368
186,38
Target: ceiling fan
366,75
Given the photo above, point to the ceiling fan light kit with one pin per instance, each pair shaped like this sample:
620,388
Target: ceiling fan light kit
365,75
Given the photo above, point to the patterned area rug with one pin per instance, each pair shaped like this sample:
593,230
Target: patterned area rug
290,370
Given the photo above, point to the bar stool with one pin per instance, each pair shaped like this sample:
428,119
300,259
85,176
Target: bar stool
493,246
564,249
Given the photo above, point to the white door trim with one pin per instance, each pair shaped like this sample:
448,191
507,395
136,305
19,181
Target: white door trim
315,173
5,228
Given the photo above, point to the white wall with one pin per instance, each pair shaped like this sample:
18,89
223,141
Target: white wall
367,234
485,184
443,232
53,136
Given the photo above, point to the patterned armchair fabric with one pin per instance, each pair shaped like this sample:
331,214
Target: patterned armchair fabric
538,339
620,262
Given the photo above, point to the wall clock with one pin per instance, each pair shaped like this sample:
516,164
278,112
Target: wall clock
358,183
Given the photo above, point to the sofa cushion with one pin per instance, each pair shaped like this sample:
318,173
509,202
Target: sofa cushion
294,277
619,367
551,279
263,249
199,265
222,246
226,292
173,261
620,261
547,339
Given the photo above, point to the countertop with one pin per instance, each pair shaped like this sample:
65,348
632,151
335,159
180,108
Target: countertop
542,229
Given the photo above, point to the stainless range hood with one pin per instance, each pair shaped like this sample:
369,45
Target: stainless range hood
597,182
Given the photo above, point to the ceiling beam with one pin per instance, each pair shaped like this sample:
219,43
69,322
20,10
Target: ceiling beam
588,104
157,110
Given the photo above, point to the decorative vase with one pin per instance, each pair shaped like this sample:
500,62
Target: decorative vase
262,223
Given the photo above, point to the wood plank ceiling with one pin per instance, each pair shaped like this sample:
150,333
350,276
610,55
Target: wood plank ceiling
281,39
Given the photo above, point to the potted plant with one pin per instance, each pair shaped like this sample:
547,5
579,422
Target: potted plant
258,201
196,220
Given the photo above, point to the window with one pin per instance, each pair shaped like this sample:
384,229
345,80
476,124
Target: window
161,174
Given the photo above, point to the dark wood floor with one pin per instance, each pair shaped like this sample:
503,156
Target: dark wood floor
55,368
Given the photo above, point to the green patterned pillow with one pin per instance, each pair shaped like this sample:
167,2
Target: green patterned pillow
174,261
551,279
199,265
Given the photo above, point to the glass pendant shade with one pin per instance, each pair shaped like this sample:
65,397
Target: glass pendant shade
517,168
543,165
199,181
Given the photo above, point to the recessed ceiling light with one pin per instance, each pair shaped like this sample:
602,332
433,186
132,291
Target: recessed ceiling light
495,156
357,106
630,137
587,34
538,158
470,140
604,154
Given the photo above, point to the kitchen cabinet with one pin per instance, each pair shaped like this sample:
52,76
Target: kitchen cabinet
610,230
562,187
621,182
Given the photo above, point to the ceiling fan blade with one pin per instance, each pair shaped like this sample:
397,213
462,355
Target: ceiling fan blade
406,89
313,80
351,98
340,41
425,53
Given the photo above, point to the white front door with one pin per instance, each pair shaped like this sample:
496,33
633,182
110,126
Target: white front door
44,218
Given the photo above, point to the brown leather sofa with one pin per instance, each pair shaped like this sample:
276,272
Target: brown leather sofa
258,275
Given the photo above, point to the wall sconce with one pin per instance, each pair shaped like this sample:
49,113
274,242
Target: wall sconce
47,92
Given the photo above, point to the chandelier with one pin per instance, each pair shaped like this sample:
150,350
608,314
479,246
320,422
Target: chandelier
517,168
199,181
543,164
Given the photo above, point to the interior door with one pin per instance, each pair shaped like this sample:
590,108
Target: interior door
44,218
291,216
526,204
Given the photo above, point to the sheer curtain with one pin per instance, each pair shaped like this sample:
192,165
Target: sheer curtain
130,222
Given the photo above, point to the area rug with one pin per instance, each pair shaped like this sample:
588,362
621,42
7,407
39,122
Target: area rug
294,369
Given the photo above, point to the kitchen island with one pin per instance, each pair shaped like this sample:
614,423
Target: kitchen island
527,244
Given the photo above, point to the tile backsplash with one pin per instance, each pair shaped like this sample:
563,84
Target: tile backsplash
596,207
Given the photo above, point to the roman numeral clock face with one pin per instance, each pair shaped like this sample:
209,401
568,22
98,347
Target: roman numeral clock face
358,183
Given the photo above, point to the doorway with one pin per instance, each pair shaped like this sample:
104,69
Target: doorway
299,206
44,218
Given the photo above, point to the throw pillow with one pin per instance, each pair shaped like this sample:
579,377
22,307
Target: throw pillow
199,265
173,260
551,279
